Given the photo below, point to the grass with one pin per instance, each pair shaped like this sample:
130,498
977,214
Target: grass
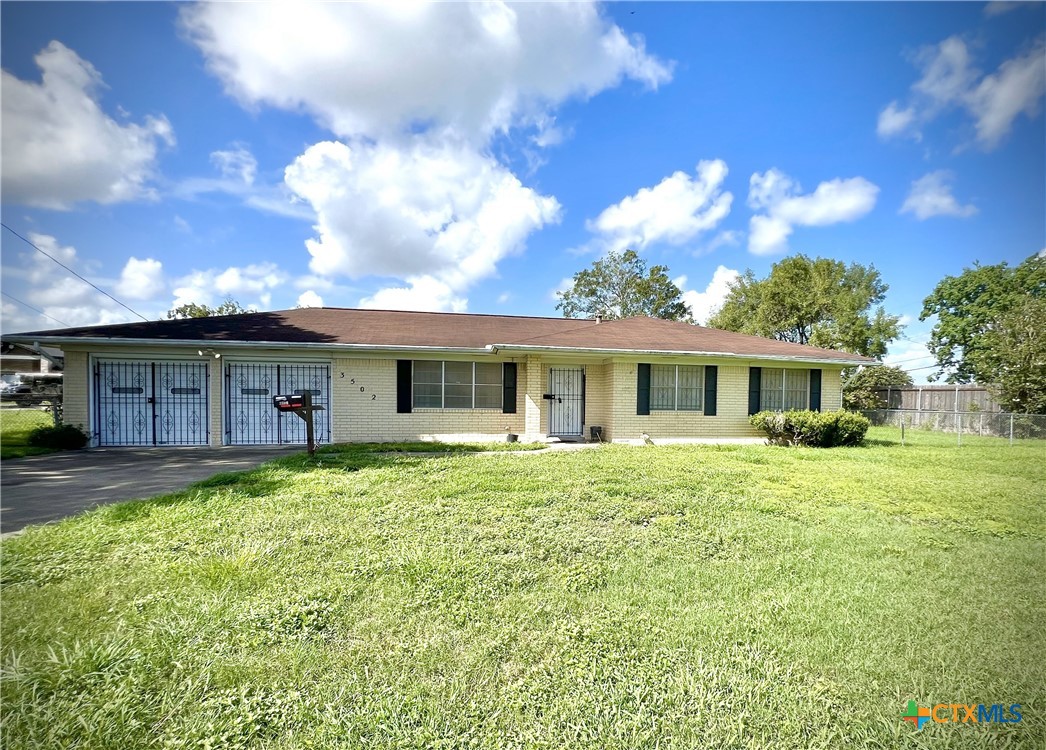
683,596
15,426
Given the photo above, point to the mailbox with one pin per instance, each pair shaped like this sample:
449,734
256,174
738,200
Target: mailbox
289,403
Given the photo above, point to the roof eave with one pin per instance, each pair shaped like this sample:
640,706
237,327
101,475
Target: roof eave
678,353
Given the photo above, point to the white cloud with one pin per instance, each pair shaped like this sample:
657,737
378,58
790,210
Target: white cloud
141,279
674,211
777,195
949,79
384,68
309,298
60,148
1014,89
998,7
236,163
893,120
931,195
423,293
705,304
250,285
439,216
504,297
40,282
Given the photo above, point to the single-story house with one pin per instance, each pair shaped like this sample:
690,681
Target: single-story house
383,375
15,358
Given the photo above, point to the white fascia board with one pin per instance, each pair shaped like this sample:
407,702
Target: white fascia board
673,353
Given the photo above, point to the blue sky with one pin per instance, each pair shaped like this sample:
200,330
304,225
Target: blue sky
472,157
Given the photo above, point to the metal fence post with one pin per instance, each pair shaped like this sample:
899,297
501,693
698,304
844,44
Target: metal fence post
1011,428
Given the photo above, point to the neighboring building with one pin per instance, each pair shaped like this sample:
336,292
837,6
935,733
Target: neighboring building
387,375
16,358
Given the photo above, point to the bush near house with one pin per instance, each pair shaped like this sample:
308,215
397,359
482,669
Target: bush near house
62,437
812,428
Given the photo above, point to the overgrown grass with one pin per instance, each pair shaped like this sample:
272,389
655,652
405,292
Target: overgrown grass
691,597
15,426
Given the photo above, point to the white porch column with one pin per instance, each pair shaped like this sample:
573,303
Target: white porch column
534,387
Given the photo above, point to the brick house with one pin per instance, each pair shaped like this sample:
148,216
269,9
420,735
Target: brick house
391,375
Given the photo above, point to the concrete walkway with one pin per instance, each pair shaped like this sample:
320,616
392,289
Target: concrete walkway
38,489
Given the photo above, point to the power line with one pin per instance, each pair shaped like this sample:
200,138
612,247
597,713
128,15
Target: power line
74,273
41,312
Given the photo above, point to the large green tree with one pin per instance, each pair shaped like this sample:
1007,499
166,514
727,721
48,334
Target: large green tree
194,310
1013,360
861,386
969,308
821,302
620,286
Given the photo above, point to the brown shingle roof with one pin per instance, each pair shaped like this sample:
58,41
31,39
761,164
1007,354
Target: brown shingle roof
396,328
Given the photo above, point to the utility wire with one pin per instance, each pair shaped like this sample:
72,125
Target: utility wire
74,273
36,310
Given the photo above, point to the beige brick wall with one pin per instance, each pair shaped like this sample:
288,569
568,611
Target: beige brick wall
364,409
76,383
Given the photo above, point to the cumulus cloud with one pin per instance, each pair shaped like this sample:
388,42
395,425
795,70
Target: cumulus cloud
437,215
894,120
141,279
705,304
309,298
40,282
382,68
424,293
673,212
250,285
236,163
778,196
950,80
931,195
60,148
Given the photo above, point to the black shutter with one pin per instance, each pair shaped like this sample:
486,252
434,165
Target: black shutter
403,386
642,389
755,379
815,390
711,381
508,389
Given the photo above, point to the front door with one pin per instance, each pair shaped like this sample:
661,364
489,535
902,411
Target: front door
566,399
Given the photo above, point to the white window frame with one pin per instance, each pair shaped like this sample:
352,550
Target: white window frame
675,392
443,386
784,390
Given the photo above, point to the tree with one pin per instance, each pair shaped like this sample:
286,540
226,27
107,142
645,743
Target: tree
860,387
620,286
969,307
193,310
820,302
1014,355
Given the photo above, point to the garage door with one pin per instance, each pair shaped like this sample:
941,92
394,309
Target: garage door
151,403
250,418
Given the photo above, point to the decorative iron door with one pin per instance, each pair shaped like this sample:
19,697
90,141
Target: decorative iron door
250,417
151,403
566,401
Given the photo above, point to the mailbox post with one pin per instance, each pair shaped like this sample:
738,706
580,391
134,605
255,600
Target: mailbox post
300,404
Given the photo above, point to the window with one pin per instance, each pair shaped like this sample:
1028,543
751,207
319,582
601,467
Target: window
457,385
675,388
782,389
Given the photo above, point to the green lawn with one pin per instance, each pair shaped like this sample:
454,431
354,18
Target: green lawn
15,426
673,597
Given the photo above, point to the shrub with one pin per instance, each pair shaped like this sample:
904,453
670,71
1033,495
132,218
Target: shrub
64,437
811,428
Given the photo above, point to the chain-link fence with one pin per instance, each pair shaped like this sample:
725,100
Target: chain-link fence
980,423
17,421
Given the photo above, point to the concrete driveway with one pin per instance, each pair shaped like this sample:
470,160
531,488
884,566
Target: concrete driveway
39,489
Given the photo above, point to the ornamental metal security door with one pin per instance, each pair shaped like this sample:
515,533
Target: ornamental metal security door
566,401
250,418
151,403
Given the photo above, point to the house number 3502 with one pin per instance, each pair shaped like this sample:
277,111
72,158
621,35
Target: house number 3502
352,381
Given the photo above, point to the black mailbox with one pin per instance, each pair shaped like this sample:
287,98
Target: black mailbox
288,403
